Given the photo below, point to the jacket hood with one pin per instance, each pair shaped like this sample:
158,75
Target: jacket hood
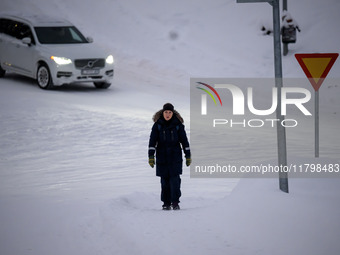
158,115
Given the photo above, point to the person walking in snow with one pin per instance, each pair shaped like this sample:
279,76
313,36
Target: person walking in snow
167,136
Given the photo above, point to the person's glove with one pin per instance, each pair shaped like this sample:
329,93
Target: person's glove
188,161
152,161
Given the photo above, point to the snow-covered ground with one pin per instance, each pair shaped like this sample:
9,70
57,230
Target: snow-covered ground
74,177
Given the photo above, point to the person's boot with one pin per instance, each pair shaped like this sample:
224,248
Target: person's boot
175,206
166,207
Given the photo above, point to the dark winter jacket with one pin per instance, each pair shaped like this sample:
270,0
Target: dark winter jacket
166,139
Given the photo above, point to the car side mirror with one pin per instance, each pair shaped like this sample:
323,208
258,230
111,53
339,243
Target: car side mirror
89,39
27,41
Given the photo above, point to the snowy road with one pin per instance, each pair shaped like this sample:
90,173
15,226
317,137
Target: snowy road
75,139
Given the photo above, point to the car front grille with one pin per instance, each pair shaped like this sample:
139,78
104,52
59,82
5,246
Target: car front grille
89,63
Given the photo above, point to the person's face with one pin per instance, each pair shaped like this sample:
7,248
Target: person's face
167,115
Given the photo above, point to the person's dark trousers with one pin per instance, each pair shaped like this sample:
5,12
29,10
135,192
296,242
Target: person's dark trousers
171,189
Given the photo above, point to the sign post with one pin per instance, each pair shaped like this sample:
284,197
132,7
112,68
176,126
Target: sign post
281,131
316,66
285,45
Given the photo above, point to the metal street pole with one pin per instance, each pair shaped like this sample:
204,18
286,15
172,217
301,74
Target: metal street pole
316,123
281,131
285,45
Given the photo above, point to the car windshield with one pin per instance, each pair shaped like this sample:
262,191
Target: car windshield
59,35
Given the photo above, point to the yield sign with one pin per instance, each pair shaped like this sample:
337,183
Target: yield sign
316,66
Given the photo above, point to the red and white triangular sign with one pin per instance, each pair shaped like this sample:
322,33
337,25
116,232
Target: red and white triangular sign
316,66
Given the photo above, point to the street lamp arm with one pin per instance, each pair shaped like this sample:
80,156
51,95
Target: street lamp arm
254,1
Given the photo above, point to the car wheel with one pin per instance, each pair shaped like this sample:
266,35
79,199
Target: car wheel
44,77
102,85
2,72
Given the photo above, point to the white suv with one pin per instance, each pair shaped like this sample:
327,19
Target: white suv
52,51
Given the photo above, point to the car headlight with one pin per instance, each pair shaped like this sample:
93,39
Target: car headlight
110,60
61,60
